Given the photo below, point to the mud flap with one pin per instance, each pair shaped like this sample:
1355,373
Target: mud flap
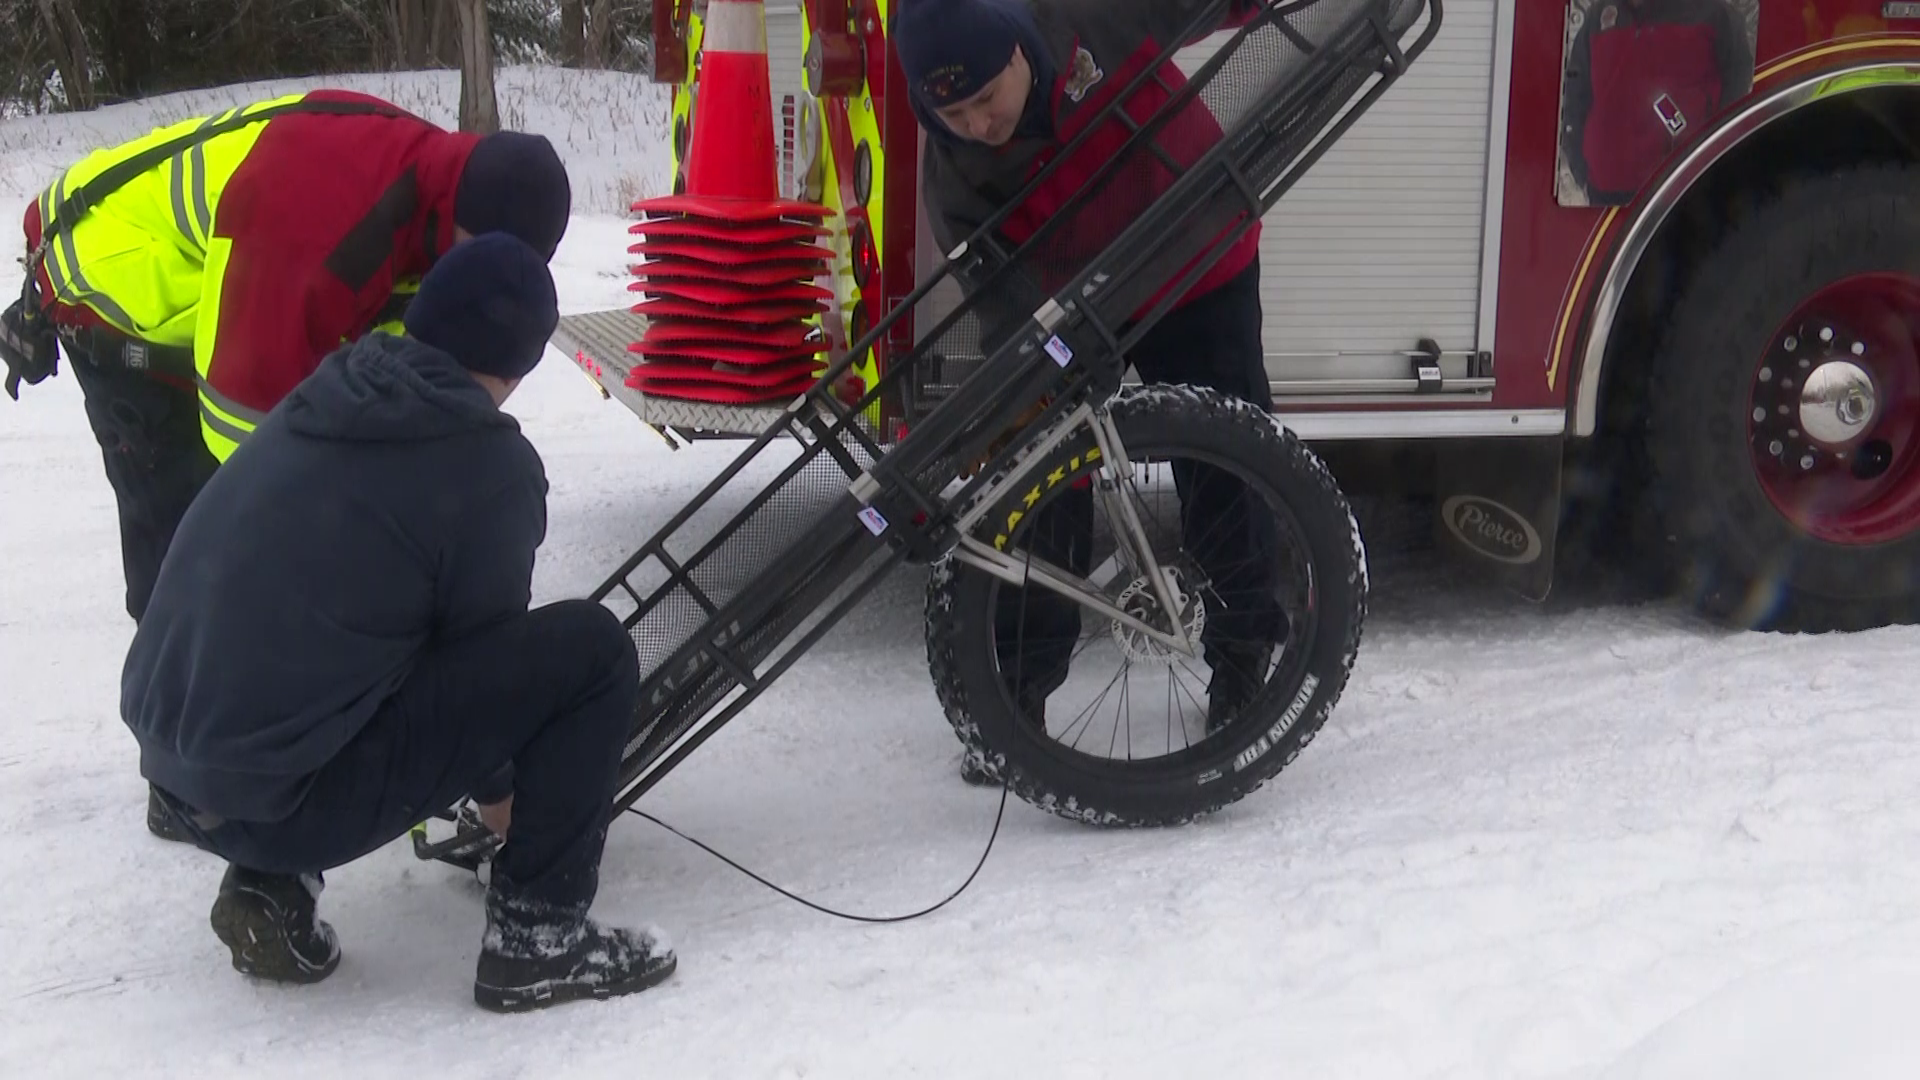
1499,507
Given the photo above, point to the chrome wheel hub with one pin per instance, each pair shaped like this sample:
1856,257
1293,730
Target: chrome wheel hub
1837,402
1813,398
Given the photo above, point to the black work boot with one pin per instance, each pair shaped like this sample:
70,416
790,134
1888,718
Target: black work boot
535,955
270,924
161,820
1239,672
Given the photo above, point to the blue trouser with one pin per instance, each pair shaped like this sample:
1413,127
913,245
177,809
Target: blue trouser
552,691
148,429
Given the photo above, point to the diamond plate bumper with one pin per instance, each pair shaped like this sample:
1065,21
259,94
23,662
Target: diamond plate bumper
596,342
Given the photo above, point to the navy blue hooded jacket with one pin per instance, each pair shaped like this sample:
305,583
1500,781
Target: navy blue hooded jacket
385,505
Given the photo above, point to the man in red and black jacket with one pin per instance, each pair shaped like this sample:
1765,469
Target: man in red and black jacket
1001,86
1643,78
194,296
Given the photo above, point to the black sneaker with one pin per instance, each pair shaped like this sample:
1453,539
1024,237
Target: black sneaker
162,822
269,923
536,956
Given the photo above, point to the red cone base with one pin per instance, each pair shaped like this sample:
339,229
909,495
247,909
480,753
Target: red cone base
732,322
728,289
743,254
790,336
772,272
731,211
724,296
764,232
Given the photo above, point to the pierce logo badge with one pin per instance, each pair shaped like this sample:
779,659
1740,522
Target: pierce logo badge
1491,529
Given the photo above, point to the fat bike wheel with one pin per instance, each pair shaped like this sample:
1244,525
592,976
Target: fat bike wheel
1150,744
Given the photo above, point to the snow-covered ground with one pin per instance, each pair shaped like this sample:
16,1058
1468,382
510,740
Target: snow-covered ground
1584,840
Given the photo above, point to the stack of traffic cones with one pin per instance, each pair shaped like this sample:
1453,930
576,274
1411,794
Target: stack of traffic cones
729,270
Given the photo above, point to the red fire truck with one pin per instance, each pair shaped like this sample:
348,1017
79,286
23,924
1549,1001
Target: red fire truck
1648,269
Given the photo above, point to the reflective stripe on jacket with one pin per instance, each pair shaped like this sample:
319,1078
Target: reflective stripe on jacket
263,248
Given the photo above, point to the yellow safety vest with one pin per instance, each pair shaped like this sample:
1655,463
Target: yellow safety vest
140,258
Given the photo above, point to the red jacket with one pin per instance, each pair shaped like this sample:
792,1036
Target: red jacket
324,217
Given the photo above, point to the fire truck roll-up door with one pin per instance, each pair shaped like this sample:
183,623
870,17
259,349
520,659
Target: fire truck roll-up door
1380,244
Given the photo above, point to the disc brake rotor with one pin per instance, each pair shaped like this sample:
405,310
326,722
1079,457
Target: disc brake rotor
1139,600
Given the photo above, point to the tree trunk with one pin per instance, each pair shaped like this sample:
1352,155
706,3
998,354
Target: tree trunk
445,37
126,46
412,33
573,31
71,57
599,33
479,111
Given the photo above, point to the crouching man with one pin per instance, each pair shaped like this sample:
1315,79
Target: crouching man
339,644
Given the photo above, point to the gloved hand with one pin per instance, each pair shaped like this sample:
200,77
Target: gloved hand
29,346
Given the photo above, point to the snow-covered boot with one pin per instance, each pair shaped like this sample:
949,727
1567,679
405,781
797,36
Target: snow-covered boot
537,954
269,921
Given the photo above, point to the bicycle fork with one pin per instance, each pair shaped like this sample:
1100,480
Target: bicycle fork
1116,491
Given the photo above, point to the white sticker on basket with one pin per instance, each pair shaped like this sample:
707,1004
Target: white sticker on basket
1059,351
873,520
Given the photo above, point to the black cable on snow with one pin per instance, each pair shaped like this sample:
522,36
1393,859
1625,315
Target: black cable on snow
997,818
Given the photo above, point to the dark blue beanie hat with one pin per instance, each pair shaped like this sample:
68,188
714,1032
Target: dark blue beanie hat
951,49
514,182
489,302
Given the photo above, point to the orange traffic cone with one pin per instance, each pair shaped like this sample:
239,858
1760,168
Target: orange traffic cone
729,277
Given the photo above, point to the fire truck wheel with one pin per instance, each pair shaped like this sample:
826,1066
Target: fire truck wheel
1784,410
1185,767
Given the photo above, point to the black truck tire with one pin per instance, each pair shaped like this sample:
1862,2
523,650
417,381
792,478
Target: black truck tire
1757,520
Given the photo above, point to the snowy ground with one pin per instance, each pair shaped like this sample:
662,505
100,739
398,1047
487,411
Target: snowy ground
1575,841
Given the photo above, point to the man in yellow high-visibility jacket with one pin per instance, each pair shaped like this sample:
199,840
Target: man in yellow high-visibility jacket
193,296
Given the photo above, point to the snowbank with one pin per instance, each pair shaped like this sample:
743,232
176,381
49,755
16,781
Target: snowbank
610,127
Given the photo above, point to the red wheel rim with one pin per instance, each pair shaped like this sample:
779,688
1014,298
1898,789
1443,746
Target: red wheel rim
1844,465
